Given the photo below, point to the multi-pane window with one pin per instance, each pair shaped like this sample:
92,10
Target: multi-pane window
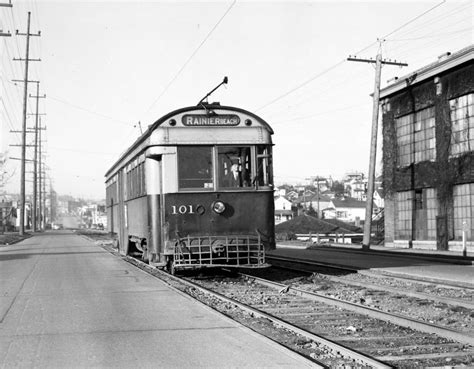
135,182
416,137
111,192
431,212
462,124
264,166
405,213
463,199
403,127
417,211
425,141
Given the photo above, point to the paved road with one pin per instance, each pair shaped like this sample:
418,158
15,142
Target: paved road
69,221
65,302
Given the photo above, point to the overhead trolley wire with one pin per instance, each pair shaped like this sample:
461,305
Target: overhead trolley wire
192,55
89,111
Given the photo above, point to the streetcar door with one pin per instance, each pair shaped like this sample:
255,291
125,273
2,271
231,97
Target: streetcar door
122,214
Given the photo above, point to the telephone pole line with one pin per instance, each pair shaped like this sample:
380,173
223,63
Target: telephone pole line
35,170
373,140
40,178
6,5
25,100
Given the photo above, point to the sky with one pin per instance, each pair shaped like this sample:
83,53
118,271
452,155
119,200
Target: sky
106,66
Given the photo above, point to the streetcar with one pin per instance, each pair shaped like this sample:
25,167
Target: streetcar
195,191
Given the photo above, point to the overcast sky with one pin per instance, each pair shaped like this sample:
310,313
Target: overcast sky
108,65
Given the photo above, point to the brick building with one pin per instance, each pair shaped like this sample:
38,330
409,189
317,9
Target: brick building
428,155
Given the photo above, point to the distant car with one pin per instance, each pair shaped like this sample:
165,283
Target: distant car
57,226
100,226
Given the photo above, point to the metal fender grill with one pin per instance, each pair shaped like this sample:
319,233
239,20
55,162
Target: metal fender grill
218,251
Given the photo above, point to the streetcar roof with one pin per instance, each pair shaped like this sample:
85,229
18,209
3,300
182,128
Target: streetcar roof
204,107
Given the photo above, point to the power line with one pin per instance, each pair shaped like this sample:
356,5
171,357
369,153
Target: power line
89,111
81,151
192,55
432,36
302,84
344,60
434,19
320,113
414,19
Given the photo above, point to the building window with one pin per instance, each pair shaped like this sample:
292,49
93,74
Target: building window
431,212
404,208
463,199
416,137
462,124
417,211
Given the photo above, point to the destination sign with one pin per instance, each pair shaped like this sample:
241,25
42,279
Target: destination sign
204,120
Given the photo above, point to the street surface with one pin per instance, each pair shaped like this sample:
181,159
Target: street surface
65,302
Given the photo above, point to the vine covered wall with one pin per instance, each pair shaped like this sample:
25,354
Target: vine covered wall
441,174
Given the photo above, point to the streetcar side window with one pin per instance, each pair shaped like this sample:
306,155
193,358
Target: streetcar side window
264,166
234,166
195,167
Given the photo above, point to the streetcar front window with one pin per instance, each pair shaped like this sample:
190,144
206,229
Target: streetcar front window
234,166
195,167
264,166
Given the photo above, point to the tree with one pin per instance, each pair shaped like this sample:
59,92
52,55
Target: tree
4,175
311,211
338,187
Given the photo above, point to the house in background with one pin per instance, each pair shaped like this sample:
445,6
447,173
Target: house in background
347,209
317,203
355,185
283,210
379,197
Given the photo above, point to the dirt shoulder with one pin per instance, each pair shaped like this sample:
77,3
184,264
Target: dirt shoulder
11,238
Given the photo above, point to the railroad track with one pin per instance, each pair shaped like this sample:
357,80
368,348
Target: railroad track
322,351
331,334
310,265
387,337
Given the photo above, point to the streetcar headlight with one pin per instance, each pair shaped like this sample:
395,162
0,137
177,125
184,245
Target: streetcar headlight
218,207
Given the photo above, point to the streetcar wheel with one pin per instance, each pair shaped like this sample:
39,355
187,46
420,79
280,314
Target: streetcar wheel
170,266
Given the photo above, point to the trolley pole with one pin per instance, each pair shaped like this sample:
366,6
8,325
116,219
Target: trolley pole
23,146
373,142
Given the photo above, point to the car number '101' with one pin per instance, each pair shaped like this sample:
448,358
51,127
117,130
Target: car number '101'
182,209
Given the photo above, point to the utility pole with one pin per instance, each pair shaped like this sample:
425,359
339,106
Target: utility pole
3,34
34,219
23,148
373,140
6,5
41,179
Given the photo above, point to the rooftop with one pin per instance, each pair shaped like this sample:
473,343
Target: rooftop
445,62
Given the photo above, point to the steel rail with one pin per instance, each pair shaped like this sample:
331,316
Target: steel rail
372,312
372,273
444,300
277,321
422,295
